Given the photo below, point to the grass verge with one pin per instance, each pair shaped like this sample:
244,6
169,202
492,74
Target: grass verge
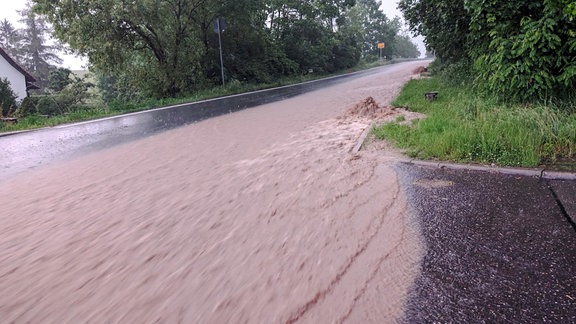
463,126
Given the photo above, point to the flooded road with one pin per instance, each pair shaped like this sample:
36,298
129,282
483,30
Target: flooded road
261,216
25,151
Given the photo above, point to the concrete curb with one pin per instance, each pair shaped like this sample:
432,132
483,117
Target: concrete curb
476,167
361,139
19,132
536,172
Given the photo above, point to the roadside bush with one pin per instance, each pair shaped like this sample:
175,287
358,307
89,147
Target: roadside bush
47,105
73,94
58,79
70,98
28,106
453,73
7,98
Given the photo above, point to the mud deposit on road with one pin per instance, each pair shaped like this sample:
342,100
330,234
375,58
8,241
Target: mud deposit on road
262,216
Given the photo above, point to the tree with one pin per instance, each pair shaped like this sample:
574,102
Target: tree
11,40
521,50
7,98
67,92
346,52
404,47
307,32
74,94
308,43
372,27
58,79
168,48
525,50
569,8
156,44
444,24
37,56
250,52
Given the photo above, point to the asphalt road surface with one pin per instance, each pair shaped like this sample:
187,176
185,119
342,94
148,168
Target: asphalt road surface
500,248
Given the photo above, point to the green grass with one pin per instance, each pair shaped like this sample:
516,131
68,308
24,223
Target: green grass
99,110
465,127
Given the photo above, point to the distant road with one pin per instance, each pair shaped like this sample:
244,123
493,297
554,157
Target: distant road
35,149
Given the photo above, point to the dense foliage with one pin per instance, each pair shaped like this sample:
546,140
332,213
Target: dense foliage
527,49
159,48
32,48
7,98
520,50
444,23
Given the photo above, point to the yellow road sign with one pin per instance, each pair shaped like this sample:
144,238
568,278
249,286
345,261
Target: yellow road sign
380,45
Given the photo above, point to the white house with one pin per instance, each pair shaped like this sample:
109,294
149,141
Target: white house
20,80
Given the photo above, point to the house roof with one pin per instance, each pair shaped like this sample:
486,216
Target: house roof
29,78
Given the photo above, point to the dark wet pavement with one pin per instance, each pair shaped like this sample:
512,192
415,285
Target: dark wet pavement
565,193
25,151
500,248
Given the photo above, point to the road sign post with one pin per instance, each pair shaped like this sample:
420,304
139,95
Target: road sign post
380,47
219,26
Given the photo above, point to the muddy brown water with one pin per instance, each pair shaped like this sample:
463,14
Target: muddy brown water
261,216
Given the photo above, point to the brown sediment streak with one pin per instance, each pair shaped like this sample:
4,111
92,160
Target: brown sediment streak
372,276
323,293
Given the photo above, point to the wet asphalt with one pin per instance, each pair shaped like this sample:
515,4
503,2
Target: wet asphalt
500,248
30,150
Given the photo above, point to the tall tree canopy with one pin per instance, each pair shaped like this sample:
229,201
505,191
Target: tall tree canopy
29,46
169,48
36,55
376,27
11,40
444,24
156,42
525,50
404,47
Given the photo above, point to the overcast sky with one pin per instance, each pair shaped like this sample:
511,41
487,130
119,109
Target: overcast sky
389,8
9,8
